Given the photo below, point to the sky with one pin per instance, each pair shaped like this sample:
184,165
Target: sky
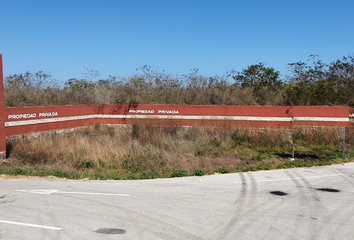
115,37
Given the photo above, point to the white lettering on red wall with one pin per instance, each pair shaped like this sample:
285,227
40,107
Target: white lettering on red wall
48,114
152,111
141,111
168,111
20,116
32,115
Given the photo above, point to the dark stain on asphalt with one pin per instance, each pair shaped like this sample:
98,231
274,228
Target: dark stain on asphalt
110,231
278,193
333,190
5,199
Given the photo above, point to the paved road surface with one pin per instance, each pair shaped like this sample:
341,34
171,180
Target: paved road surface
305,203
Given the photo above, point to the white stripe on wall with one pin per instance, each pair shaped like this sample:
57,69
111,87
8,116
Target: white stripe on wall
175,117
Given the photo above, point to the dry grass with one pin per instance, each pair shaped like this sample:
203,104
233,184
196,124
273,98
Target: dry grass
319,138
149,151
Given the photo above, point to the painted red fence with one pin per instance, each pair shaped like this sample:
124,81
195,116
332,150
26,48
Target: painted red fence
23,120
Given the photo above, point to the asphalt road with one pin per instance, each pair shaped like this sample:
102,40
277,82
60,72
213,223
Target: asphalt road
304,203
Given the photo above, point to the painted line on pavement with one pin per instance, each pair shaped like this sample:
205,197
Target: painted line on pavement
30,225
102,194
51,191
287,179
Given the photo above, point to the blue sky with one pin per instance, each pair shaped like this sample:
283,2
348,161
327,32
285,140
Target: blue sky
115,37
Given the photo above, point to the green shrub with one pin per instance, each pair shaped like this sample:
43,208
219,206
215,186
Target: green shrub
149,175
100,176
117,177
180,173
130,177
223,170
60,173
19,171
199,172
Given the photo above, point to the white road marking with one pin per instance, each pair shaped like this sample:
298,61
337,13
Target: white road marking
48,192
102,194
45,192
287,179
31,225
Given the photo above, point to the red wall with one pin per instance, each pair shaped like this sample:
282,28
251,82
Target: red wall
36,119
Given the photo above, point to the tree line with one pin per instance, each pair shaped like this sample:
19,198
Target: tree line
311,82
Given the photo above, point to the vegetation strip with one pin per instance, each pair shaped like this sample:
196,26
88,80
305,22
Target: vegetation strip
150,151
307,83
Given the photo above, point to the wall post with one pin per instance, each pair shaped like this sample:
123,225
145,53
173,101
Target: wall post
343,154
2,114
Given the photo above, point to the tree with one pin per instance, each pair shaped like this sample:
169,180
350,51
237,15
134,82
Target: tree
342,74
264,81
317,83
30,89
306,84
